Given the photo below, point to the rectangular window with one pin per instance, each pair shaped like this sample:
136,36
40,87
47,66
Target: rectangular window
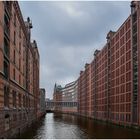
128,45
128,35
128,55
19,47
117,54
20,31
19,79
122,60
128,107
122,41
6,25
14,38
128,76
128,66
6,69
128,87
128,24
14,57
122,50
14,74
19,64
15,19
6,47
14,99
128,97
6,96
122,88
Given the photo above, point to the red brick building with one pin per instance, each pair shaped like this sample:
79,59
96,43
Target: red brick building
17,96
82,94
114,76
84,90
36,66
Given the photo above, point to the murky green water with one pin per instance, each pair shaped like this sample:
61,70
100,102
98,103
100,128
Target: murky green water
62,126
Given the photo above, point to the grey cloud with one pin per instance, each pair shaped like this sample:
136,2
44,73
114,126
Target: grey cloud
58,26
68,33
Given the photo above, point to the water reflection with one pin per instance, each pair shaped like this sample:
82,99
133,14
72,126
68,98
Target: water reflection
62,126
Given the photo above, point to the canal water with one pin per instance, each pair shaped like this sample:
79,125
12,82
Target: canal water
63,126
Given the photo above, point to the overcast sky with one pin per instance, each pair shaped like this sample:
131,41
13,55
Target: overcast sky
67,33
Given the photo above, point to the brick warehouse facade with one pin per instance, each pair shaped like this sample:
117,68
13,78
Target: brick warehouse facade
36,67
84,90
114,76
19,71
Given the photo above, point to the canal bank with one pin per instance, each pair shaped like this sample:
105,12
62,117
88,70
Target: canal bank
21,126
120,124
64,126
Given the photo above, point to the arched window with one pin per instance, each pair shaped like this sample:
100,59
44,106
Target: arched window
7,122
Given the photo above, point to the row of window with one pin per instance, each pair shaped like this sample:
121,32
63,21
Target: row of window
124,98
114,116
118,64
120,99
115,108
19,80
122,50
123,30
66,104
122,70
15,21
102,84
121,79
17,99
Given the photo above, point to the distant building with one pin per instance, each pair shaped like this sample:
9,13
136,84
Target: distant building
66,98
69,92
50,104
69,97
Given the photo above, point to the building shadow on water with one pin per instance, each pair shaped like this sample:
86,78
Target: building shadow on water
63,126
95,129
31,131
